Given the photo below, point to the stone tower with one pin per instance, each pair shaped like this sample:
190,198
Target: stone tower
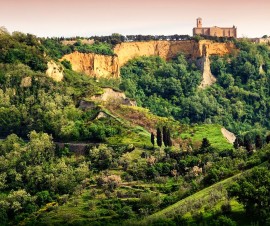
199,22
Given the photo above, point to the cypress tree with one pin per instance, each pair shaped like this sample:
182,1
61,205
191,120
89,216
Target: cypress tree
165,135
153,139
159,137
267,139
236,143
247,143
258,142
169,141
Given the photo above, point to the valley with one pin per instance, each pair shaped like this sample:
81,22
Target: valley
134,133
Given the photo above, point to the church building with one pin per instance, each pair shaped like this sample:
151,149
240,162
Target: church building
214,31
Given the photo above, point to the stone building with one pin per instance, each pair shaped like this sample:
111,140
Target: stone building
214,31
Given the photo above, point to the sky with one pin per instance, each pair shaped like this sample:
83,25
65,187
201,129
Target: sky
56,18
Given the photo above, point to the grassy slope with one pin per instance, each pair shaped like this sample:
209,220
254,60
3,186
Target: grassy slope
143,122
210,131
183,204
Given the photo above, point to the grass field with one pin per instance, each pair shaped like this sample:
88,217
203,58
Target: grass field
210,131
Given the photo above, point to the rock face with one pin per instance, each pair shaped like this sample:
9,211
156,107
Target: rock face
55,71
111,95
165,49
207,77
26,82
109,66
94,64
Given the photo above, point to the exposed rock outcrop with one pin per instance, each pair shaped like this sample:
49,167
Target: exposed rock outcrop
207,77
165,49
109,66
55,71
26,82
111,95
204,64
94,64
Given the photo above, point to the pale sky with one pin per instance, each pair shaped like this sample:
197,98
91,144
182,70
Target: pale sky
104,17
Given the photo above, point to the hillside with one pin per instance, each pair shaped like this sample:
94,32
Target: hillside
88,150
108,66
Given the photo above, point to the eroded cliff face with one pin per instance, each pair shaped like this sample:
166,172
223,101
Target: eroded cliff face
94,64
207,77
55,71
113,96
165,49
109,66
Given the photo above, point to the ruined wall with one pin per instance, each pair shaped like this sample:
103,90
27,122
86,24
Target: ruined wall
109,66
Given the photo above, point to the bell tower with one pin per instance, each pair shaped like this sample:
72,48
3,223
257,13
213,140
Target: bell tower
199,22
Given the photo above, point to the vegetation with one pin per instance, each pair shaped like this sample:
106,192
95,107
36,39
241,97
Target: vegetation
239,100
68,160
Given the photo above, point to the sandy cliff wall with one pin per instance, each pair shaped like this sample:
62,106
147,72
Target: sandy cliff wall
165,49
94,64
109,66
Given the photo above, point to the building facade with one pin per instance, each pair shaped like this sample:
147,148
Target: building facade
214,31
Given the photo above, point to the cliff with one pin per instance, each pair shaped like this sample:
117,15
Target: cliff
55,71
109,66
165,49
94,64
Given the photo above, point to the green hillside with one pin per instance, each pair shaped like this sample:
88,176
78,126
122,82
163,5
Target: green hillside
67,158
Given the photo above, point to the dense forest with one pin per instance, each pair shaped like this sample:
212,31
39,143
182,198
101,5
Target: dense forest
163,162
239,100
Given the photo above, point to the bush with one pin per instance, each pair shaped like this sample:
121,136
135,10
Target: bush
224,221
125,212
226,208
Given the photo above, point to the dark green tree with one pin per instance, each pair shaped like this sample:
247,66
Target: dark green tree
169,140
267,139
253,191
165,135
153,139
236,144
159,137
205,145
258,142
248,143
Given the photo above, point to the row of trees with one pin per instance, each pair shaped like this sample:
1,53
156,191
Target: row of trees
251,144
164,135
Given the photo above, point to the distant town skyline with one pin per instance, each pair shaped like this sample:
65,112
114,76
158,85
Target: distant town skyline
155,17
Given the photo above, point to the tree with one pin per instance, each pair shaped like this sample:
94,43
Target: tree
248,144
165,135
169,140
258,142
205,145
159,137
253,191
267,139
153,139
236,144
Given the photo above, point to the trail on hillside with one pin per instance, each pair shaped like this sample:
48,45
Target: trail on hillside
228,135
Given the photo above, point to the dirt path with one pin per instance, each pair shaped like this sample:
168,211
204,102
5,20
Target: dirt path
228,135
